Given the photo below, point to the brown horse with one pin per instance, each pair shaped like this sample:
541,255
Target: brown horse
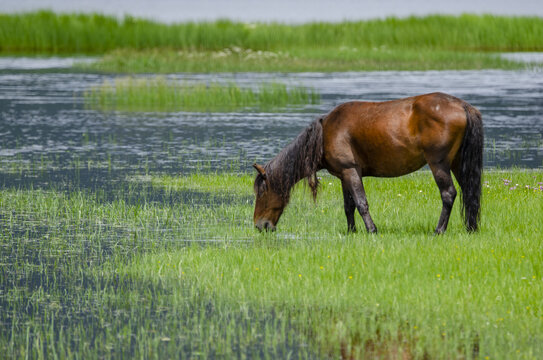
382,139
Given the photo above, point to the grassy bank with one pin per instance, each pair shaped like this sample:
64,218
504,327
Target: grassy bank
122,275
297,60
134,45
160,94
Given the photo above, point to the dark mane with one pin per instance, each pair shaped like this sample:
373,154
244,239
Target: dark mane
299,159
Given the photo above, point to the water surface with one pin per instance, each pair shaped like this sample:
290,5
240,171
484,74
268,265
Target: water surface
43,119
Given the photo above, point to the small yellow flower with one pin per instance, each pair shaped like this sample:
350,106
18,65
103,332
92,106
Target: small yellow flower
322,267
350,276
438,275
299,275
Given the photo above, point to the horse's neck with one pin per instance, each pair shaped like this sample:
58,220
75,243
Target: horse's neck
288,168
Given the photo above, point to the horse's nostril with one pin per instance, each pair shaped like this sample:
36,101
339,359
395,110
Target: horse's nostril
269,226
265,225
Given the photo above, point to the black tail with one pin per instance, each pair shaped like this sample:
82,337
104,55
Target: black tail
470,169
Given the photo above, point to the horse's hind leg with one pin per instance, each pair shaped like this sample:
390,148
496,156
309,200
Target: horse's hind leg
352,184
443,178
350,206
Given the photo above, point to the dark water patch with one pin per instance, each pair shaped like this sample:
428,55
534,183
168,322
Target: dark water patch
161,327
114,185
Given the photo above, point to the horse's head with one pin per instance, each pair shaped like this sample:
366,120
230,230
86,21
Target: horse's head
269,205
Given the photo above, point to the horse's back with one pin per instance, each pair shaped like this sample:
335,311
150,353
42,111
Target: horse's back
392,138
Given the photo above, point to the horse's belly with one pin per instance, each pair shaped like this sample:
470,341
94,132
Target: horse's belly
391,162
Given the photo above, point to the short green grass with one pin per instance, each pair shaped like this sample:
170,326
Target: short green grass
87,275
160,94
137,45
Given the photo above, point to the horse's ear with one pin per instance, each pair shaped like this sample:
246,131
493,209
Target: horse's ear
260,170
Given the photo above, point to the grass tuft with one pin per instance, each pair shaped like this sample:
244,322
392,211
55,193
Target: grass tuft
160,94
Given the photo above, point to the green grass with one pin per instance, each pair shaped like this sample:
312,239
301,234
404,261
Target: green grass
297,60
137,45
47,32
157,93
90,275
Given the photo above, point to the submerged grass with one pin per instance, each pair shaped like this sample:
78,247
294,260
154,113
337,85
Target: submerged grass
138,45
158,93
87,275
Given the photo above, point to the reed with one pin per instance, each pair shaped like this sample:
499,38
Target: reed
45,32
160,94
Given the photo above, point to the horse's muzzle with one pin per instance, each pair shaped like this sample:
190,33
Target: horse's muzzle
265,225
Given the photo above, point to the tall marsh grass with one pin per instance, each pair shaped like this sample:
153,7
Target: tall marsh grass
160,94
45,32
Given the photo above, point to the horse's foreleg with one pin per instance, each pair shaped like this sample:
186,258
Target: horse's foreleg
442,176
352,182
349,205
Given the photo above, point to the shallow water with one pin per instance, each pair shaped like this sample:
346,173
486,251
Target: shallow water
44,123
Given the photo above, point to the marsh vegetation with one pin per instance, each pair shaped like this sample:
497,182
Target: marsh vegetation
171,266
138,45
160,94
